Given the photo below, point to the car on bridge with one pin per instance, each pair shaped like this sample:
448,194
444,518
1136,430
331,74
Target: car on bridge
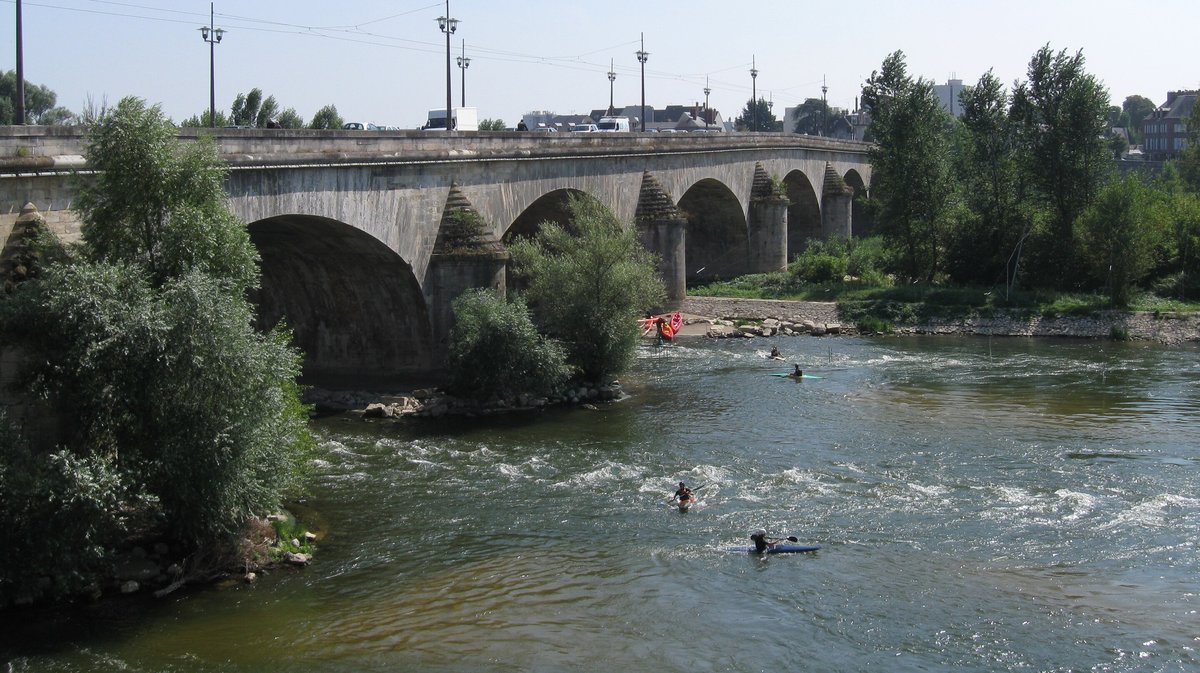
584,128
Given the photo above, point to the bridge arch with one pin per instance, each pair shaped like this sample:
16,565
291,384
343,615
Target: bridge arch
355,307
717,243
549,207
804,212
860,223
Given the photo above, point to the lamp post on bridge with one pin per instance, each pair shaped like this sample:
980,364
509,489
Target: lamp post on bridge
753,95
706,92
642,55
212,35
824,106
612,78
448,25
463,64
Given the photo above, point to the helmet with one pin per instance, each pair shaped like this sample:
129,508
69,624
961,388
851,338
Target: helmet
758,533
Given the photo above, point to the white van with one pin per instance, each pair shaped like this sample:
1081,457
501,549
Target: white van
613,124
462,119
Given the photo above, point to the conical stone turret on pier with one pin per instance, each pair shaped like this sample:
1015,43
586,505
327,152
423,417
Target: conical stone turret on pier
768,223
662,230
466,254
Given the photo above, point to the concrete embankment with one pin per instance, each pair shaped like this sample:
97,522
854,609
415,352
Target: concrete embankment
1167,328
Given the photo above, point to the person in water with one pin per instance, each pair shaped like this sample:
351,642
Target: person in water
775,352
684,494
798,373
761,542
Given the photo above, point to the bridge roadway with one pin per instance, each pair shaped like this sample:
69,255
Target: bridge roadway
347,222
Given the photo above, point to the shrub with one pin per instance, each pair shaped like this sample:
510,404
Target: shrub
495,349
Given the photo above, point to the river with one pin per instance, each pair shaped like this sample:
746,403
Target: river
982,505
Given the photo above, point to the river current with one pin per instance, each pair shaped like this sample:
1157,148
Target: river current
982,505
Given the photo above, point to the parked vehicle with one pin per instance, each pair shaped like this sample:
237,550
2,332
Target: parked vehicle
359,126
613,124
461,119
584,128
545,129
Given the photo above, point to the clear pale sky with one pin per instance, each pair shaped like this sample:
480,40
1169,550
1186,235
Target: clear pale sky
384,61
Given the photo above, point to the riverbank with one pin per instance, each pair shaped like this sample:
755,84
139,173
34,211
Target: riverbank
1165,328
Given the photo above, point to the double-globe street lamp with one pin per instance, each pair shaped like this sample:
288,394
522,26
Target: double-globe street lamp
212,36
706,92
448,25
642,55
612,78
463,63
753,94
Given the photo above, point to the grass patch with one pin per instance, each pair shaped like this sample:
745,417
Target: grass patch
290,530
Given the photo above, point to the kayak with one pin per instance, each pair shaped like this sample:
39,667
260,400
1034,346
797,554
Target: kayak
779,549
685,505
790,375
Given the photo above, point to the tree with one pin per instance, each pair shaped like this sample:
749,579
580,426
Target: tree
1189,159
589,284
814,117
1119,234
757,116
142,340
200,121
910,165
1134,110
326,118
290,119
266,113
39,103
496,350
491,125
1062,114
245,108
986,168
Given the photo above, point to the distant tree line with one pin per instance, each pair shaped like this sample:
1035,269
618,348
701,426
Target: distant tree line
1022,189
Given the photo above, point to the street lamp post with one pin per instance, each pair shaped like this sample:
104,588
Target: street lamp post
642,55
612,77
212,35
463,64
706,92
754,94
448,25
824,106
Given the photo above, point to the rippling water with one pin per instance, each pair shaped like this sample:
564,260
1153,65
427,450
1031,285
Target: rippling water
983,505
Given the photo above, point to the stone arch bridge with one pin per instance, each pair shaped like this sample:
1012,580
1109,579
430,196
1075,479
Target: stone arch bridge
356,229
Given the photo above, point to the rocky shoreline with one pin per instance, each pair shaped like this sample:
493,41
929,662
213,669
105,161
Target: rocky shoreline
1165,328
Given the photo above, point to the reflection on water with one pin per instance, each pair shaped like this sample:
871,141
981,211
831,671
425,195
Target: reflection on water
983,505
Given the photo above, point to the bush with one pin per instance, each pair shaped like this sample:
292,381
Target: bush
495,349
589,285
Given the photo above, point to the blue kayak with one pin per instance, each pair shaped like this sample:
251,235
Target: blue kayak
780,549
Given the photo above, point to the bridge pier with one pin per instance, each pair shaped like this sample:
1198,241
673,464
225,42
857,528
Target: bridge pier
768,224
837,205
466,255
663,231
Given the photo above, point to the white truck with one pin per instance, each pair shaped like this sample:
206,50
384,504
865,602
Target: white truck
461,119
613,124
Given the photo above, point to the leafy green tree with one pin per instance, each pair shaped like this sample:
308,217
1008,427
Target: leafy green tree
910,181
326,118
1189,160
496,350
491,125
142,341
168,216
200,121
246,107
1185,221
1062,112
290,119
986,168
1135,109
1119,234
757,116
814,117
589,284
39,103
267,113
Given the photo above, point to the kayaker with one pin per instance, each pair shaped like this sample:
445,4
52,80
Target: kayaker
684,494
775,352
761,542
798,373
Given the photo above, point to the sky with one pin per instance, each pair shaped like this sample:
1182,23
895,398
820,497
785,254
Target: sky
384,61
